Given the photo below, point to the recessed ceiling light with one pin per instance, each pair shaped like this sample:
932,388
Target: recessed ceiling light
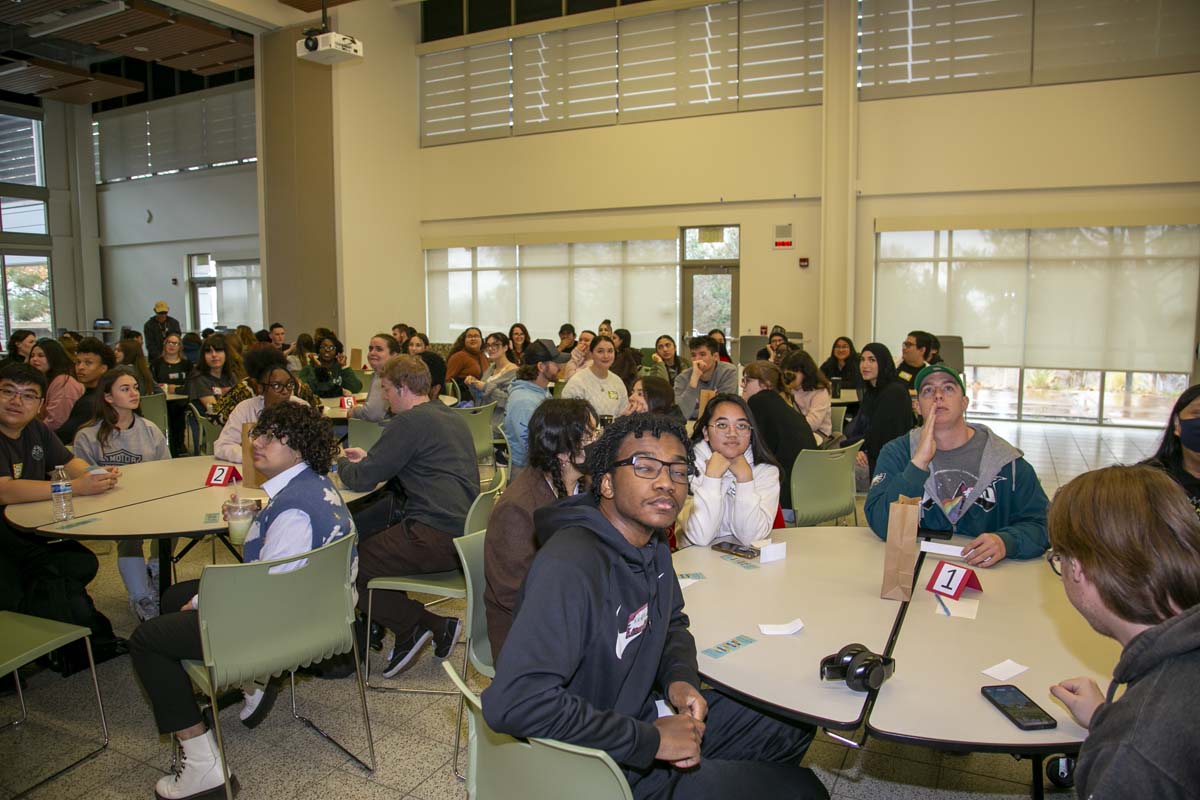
141,49
45,76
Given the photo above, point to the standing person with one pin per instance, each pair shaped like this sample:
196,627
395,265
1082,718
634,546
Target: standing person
603,575
93,359
529,389
269,384
157,328
735,491
171,369
810,392
416,343
293,448
566,338
665,360
707,373
842,362
779,426
211,376
62,390
327,374
121,436
518,340
381,347
603,389
1127,546
718,336
466,358
130,355
278,335
427,454
559,430
1178,453
628,358
493,386
20,343
914,355
886,411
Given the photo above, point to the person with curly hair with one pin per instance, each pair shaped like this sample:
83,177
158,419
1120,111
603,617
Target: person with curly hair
293,447
600,635
268,383
327,374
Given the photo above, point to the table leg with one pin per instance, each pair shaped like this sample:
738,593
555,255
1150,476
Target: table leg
164,566
1038,790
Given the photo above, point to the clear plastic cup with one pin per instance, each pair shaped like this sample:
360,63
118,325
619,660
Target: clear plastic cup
239,513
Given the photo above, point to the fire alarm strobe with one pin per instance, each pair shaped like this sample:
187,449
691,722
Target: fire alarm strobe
783,237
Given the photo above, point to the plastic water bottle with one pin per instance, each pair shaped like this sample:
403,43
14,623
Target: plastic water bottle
60,495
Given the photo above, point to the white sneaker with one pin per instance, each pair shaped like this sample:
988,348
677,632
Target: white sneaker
199,775
145,608
256,705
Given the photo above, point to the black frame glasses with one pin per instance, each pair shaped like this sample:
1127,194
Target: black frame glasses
1055,561
642,467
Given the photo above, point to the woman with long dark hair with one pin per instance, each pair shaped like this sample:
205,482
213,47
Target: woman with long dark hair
518,342
1178,453
129,354
493,385
842,362
466,358
665,359
735,491
810,392
558,432
62,390
628,359
652,394
886,411
722,350
20,343
211,377
782,428
416,343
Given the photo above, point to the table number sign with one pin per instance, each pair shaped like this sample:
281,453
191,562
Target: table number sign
347,402
222,475
949,580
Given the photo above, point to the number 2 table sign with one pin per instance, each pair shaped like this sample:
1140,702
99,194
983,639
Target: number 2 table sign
222,475
949,580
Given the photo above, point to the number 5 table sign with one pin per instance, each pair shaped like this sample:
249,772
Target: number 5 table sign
222,475
949,580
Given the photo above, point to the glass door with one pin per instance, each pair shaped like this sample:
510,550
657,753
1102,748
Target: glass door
709,270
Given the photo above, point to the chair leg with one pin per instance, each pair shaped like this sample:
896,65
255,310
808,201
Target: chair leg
20,696
216,720
367,659
458,718
366,718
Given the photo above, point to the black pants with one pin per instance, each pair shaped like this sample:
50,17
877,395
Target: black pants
158,647
744,754
406,548
25,558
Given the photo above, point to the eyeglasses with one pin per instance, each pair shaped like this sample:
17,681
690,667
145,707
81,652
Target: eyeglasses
28,398
1055,562
278,386
740,427
906,345
493,345
650,468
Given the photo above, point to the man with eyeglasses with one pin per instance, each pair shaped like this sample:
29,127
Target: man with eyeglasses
914,354
970,481
600,635
29,452
268,377
1127,547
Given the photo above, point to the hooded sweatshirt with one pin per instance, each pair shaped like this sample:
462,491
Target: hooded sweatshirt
599,629
1139,745
1006,498
523,399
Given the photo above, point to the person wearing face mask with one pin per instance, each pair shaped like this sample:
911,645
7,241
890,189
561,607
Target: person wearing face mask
558,432
735,491
1178,453
381,347
271,384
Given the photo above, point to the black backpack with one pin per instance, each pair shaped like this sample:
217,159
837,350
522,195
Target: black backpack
57,597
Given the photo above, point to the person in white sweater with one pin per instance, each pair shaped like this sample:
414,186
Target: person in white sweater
381,347
735,491
596,384
273,384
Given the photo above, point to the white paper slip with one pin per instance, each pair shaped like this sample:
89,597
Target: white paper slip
786,629
773,552
967,607
942,549
664,710
759,544
1006,670
686,582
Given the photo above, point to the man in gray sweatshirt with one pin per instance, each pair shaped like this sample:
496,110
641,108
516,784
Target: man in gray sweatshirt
707,373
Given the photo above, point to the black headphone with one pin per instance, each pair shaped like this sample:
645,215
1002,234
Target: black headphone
862,670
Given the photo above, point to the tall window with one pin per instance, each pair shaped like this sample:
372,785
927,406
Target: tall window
1082,324
24,229
225,292
634,283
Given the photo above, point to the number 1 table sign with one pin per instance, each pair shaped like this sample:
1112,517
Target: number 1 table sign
949,580
222,475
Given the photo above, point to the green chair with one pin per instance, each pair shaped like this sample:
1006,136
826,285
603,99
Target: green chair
24,638
556,388
479,647
361,433
479,420
450,387
154,409
240,647
498,481
823,485
505,768
204,431
364,378
837,416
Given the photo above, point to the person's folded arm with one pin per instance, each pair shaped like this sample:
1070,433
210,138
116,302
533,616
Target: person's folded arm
686,396
755,505
704,522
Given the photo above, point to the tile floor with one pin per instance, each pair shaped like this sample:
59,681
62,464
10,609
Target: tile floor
414,735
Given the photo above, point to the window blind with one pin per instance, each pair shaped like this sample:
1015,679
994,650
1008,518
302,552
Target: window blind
466,94
565,79
781,53
20,159
124,146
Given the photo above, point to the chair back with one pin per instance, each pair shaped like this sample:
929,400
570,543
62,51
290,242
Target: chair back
154,409
256,622
479,420
837,416
450,387
364,378
951,351
470,553
204,432
823,484
362,433
504,767
481,509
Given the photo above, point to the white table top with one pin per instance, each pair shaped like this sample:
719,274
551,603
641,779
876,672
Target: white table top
830,579
848,396
1023,615
332,409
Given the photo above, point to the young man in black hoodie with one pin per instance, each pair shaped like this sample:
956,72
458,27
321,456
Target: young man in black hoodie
600,635
1127,545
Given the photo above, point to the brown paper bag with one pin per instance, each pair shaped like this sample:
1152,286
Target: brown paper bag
705,396
251,477
901,549
356,359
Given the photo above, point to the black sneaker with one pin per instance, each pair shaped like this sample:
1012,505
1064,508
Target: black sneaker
403,652
377,633
445,639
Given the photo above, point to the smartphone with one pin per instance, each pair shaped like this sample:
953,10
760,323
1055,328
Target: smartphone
735,549
925,533
1020,710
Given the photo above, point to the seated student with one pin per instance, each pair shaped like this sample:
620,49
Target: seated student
970,481
718,336
777,337
842,362
628,359
129,354
885,411
381,347
653,395
328,375
62,390
1178,453
192,345
529,390
121,436
20,344
416,343
810,392
277,335
605,328
1127,546
664,360
437,373
29,453
211,377
707,372
271,384
293,447
735,491
466,358
250,386
566,338
93,359
593,583
493,385
427,453
914,355
518,340
603,389
558,432
780,427
302,351
581,356
401,332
